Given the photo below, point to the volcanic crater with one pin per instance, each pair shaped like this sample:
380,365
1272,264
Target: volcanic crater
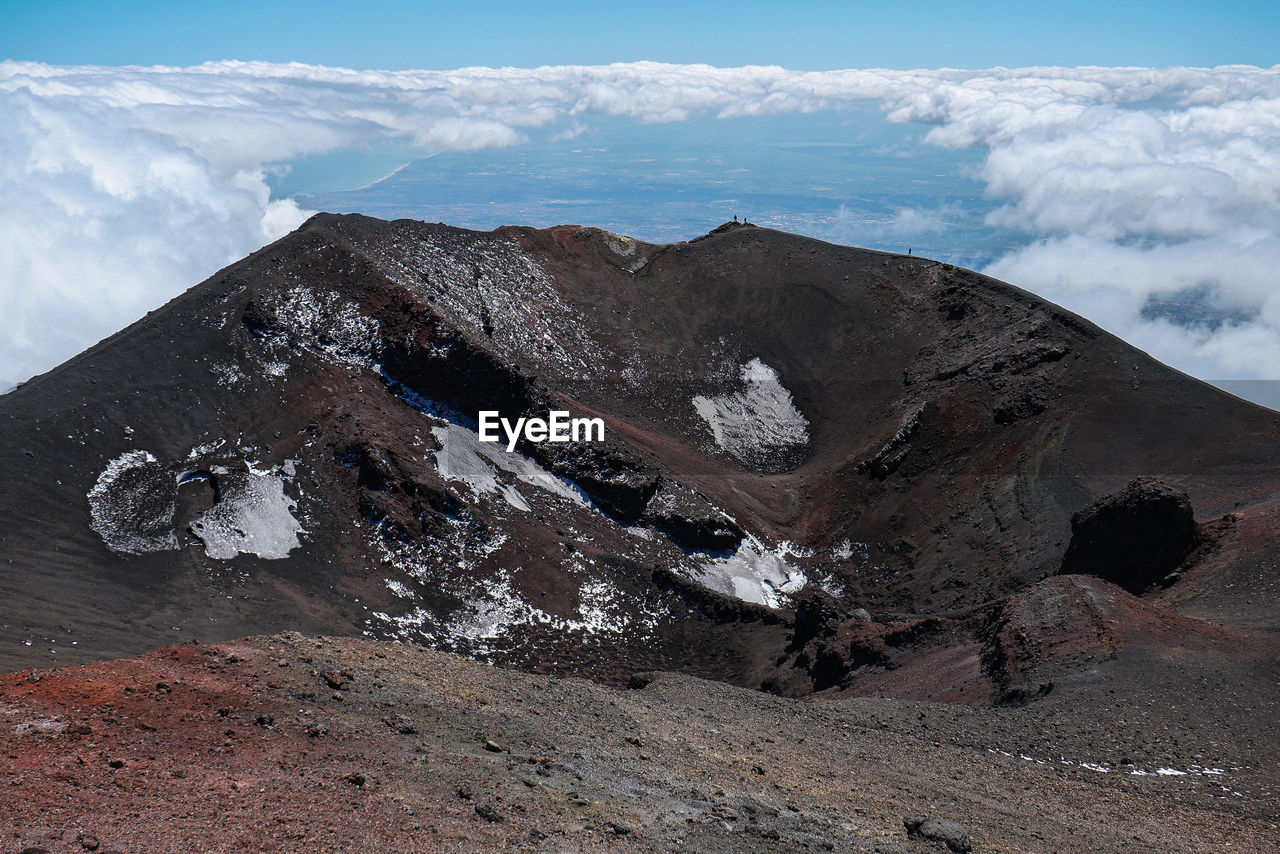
876,487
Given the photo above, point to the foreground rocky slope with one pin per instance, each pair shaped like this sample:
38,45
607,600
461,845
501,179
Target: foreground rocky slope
290,744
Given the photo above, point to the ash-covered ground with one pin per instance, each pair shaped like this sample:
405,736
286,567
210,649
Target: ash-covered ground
290,743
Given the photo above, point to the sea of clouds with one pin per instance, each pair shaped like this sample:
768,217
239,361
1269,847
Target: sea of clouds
121,187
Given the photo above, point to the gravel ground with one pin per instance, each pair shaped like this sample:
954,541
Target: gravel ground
290,743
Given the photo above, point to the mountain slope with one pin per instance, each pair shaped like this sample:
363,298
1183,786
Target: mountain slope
292,444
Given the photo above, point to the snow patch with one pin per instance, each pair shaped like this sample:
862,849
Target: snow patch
133,503
491,287
755,573
254,517
497,609
1193,770
463,457
757,423
228,374
601,609
323,323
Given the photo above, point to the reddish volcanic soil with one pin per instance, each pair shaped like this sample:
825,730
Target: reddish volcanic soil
295,744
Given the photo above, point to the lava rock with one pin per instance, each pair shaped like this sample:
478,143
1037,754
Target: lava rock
817,614
1132,538
488,813
939,830
337,681
690,520
400,724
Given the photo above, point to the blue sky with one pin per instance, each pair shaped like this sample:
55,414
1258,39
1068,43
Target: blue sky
816,35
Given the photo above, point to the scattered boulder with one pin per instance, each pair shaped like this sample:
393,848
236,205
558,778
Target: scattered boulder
1133,538
939,830
401,724
338,681
488,813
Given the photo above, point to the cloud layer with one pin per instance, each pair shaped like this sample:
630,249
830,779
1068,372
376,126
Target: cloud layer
120,187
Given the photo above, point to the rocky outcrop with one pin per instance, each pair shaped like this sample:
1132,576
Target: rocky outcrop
690,520
1132,538
940,830
894,450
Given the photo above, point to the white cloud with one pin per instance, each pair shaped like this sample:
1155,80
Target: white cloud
1110,284
848,226
120,187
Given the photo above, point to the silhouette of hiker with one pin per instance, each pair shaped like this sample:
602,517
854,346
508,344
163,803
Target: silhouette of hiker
735,217
908,251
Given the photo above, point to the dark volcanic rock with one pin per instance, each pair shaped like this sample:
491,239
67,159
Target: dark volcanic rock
817,613
690,520
1134,537
939,830
488,813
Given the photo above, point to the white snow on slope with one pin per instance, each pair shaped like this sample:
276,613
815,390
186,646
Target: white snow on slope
489,286
318,321
132,505
497,608
253,517
756,421
755,573
493,609
463,457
